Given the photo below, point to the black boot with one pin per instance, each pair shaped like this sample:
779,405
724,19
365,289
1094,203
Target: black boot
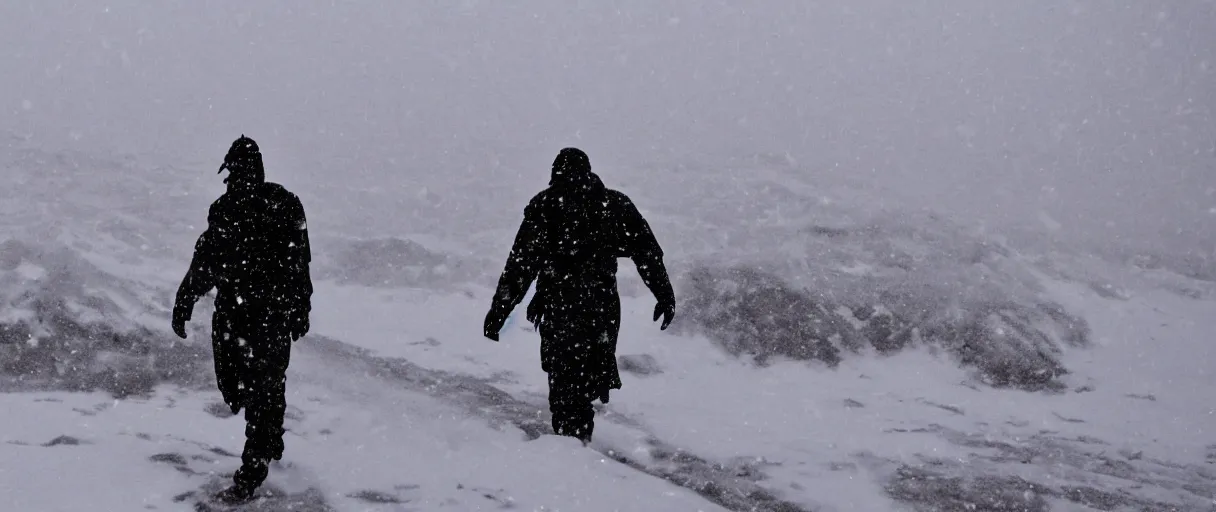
566,425
250,476
272,448
235,495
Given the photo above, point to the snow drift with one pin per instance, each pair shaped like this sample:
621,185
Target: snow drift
67,325
884,287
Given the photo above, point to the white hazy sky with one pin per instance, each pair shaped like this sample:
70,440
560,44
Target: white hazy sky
1098,113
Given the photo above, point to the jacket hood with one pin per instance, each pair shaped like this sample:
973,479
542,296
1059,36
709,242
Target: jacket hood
572,171
243,163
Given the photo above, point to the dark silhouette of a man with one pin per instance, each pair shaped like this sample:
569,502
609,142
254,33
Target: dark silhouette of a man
569,241
255,253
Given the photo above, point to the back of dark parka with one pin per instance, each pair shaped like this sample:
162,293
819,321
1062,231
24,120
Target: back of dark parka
569,241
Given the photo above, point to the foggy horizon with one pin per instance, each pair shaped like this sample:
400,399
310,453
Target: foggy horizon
1094,115
867,255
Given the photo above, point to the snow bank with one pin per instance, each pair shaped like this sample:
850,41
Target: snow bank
66,325
1114,278
881,288
976,483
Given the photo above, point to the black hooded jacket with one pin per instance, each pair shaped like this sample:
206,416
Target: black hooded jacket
255,251
569,241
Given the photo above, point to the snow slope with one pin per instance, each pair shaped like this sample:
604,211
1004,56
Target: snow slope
398,403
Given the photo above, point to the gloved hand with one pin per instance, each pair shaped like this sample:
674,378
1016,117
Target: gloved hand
494,321
667,310
296,309
536,310
298,324
181,315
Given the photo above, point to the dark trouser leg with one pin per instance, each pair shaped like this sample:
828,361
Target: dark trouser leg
578,357
230,359
265,406
570,396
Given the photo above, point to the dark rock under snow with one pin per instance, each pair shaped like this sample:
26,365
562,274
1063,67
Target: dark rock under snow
882,289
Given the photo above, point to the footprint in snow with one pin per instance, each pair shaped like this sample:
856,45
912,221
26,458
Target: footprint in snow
378,497
944,407
221,452
497,496
64,440
1069,420
58,441
430,342
176,460
169,458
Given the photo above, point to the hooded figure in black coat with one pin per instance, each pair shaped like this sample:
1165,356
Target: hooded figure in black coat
569,241
255,253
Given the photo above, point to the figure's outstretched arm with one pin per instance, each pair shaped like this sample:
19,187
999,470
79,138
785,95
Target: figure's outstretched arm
523,265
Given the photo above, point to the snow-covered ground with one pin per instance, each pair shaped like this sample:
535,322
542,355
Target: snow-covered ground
396,401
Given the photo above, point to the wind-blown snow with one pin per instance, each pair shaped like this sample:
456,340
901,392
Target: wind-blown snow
397,402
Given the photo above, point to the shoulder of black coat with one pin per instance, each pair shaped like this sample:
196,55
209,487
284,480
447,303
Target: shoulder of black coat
273,189
279,194
541,198
219,204
616,197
